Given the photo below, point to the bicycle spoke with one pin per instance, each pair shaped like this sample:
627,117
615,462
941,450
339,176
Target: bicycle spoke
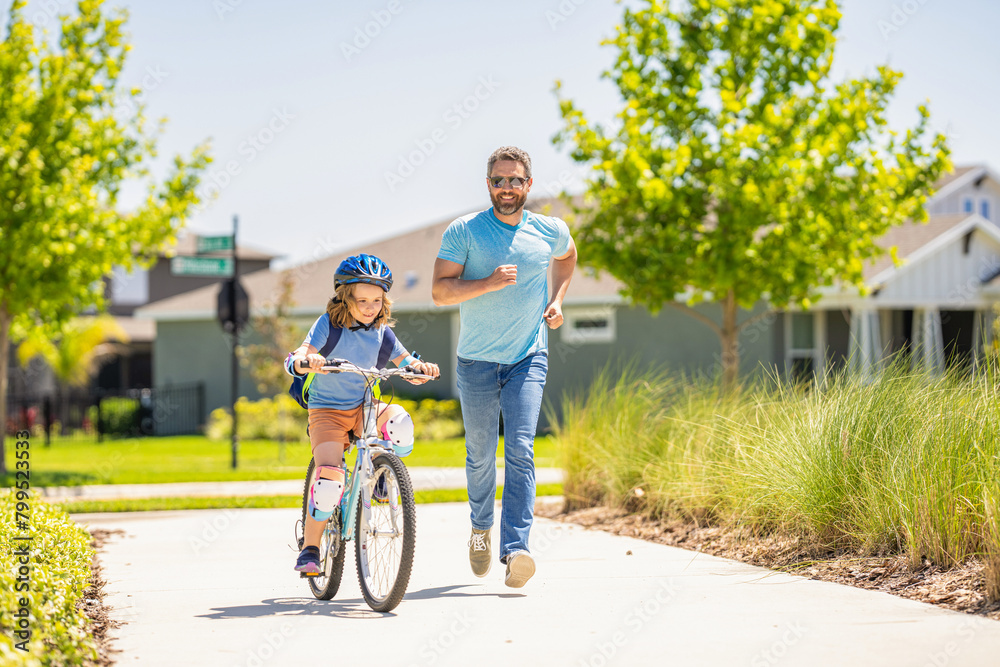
385,546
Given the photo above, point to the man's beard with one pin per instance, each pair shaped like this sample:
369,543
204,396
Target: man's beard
508,208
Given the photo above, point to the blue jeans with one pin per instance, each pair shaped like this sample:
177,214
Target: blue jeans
488,389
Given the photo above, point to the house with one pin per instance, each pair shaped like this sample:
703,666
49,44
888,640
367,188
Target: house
937,303
132,367
126,292
599,325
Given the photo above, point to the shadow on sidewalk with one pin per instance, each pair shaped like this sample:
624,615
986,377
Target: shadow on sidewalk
352,608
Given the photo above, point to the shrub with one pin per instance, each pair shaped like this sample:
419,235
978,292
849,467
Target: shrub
60,556
279,418
118,416
272,419
434,419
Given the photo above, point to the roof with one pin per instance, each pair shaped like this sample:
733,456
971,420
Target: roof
137,330
958,174
910,237
410,256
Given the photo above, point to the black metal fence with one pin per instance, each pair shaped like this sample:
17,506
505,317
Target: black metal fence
176,410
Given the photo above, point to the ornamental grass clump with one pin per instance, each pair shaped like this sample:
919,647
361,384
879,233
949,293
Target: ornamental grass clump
899,462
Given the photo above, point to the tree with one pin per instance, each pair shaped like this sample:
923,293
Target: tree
735,172
279,335
76,355
69,136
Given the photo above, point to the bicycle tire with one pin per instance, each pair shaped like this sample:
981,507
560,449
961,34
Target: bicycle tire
325,585
385,560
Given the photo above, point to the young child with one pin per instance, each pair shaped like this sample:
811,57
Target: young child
361,308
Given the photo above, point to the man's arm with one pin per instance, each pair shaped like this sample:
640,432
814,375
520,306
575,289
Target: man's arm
448,288
562,273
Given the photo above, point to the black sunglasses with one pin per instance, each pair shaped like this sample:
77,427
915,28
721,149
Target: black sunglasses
499,182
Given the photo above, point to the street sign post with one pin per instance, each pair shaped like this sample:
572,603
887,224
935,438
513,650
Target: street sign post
214,243
202,266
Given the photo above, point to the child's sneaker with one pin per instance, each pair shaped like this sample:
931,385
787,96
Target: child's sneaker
308,562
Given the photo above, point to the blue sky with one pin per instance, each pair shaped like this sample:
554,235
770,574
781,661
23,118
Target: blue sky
334,124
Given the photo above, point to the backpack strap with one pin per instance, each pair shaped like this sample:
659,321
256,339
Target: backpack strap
388,343
331,341
300,383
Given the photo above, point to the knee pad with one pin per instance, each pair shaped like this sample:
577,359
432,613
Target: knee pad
325,494
398,430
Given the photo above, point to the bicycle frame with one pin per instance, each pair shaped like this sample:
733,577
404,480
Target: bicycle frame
369,440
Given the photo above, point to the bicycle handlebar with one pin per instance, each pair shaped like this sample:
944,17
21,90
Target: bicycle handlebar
345,366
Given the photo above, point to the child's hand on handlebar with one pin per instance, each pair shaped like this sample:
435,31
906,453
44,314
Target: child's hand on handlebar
313,363
424,368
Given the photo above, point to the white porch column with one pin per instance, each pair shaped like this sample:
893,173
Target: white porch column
866,340
928,341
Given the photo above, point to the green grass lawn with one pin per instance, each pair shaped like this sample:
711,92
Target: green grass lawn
197,459
248,502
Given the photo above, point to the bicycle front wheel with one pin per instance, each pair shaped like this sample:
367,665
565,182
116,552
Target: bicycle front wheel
331,549
386,533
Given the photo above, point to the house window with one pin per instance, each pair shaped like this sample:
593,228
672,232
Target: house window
967,205
588,325
805,342
984,208
129,289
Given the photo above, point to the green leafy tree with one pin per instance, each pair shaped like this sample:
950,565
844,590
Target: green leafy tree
736,172
76,355
69,136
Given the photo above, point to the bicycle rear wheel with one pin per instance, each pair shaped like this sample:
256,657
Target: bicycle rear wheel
386,533
331,549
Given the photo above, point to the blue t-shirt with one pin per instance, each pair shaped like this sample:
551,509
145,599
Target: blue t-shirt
345,391
505,326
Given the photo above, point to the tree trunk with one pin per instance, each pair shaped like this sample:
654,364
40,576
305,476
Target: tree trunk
5,320
730,342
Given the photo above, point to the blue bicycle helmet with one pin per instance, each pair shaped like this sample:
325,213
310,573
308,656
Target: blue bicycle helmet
363,269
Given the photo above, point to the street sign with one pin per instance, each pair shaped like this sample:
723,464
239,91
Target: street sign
202,266
215,243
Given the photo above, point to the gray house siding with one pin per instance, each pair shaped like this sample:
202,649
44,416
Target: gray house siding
198,351
429,334
192,351
670,340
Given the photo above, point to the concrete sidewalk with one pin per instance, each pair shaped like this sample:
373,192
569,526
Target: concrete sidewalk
423,479
216,587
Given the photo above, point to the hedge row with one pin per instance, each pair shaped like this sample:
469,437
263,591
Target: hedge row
281,418
41,595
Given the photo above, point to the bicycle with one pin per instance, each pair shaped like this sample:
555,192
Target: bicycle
377,506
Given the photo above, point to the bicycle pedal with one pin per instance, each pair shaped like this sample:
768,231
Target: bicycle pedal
306,575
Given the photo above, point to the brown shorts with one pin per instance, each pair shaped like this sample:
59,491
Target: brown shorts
329,425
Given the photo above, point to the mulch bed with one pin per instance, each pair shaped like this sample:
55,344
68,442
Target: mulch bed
92,602
959,588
